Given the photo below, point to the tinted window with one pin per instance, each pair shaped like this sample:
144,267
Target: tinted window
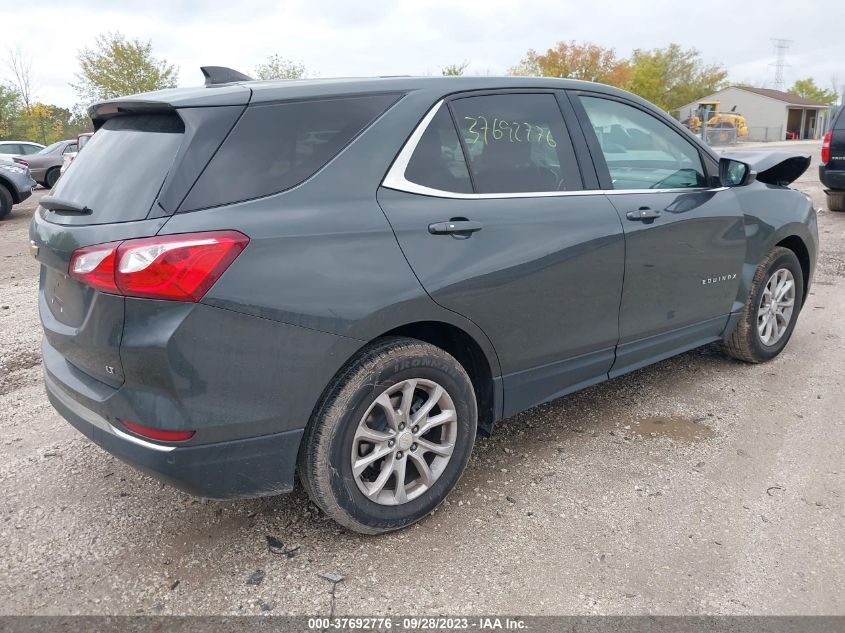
276,146
641,151
70,149
121,172
839,124
516,143
10,148
438,160
30,149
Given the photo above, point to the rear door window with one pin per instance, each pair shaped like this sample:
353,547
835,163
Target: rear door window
516,143
438,160
120,174
276,146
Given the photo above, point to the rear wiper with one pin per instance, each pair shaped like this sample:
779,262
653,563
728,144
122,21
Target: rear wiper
52,203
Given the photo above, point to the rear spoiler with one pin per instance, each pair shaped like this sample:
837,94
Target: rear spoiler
214,94
102,112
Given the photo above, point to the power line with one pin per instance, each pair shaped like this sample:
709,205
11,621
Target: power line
781,46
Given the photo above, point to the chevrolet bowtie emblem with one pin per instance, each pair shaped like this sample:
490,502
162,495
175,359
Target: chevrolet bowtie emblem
33,248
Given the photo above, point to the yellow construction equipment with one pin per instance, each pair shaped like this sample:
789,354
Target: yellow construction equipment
716,119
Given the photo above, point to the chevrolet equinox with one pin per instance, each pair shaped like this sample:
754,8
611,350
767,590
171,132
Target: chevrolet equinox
342,281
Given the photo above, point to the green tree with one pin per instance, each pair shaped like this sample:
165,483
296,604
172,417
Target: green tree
9,107
585,60
671,77
115,67
47,124
277,67
454,70
808,89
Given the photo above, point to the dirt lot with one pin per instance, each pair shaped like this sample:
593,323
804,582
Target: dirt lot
700,485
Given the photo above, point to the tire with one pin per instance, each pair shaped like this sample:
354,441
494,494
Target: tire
6,201
52,177
836,200
747,343
356,402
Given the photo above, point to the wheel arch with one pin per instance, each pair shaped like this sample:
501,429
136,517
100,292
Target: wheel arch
797,246
13,191
470,354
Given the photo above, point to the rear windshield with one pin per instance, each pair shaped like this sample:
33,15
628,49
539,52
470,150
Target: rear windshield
119,174
51,148
276,146
839,124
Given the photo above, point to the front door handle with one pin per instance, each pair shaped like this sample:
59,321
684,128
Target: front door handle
461,228
643,213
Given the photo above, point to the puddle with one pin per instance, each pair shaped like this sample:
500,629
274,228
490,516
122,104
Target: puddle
674,427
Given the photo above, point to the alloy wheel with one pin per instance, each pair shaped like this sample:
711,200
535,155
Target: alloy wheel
776,307
404,441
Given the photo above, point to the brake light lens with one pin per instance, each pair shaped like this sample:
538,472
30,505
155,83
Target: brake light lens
20,161
95,266
158,434
826,147
171,267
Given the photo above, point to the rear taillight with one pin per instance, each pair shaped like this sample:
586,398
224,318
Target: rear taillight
826,147
158,434
20,161
173,267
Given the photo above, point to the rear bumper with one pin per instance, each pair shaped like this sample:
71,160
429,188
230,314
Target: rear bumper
236,469
832,178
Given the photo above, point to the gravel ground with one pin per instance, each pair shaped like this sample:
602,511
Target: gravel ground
699,485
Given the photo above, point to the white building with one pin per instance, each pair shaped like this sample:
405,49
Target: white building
771,115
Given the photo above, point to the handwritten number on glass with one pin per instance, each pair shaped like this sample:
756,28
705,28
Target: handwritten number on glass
510,130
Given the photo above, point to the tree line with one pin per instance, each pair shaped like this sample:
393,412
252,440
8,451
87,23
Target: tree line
114,66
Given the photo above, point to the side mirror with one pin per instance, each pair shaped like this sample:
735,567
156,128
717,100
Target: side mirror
733,173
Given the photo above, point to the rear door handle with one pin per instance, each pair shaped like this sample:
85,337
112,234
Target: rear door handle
455,227
643,213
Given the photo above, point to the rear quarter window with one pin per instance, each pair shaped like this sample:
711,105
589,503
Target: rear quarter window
276,146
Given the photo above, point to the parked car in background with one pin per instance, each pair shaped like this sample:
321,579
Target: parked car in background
832,169
69,156
10,149
346,279
16,185
46,164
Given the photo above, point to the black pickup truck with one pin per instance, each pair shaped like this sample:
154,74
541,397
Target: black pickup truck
832,169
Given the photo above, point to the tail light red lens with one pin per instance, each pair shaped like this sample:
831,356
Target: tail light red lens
826,146
95,266
158,434
20,161
173,267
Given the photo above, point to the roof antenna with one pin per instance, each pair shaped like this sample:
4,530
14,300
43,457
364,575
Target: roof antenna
216,75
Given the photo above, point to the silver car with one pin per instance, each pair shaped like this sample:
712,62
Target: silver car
9,149
16,185
46,164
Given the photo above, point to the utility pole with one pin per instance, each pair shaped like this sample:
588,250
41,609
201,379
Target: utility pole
781,46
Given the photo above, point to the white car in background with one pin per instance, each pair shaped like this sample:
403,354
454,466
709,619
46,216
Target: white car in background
80,143
9,149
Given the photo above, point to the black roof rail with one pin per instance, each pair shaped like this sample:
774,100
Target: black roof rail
215,75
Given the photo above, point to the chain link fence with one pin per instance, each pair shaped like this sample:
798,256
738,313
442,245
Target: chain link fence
764,134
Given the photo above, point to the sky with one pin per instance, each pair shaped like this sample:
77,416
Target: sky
379,37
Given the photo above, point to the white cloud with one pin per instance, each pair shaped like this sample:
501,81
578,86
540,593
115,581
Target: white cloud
341,38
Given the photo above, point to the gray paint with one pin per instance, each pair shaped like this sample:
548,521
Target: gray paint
338,261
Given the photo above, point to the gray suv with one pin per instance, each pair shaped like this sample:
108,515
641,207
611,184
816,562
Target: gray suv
16,185
398,264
